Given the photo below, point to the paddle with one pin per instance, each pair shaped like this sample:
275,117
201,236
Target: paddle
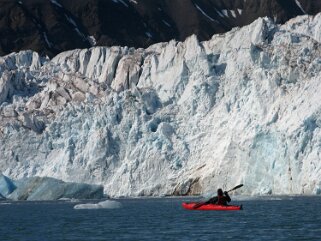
234,188
203,203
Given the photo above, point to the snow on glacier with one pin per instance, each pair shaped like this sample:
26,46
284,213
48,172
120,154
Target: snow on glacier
177,118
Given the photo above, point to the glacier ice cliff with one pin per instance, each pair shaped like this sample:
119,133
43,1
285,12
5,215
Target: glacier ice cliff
177,118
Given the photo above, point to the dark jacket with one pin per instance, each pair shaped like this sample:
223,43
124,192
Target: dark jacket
221,200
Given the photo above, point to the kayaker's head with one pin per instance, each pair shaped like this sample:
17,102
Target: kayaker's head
219,192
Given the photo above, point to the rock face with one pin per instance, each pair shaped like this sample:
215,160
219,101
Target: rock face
175,118
52,26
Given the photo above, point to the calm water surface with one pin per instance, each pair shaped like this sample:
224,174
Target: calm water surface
296,218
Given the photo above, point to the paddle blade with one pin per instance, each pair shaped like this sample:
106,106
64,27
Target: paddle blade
234,188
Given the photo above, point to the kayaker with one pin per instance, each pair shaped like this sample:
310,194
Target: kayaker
220,199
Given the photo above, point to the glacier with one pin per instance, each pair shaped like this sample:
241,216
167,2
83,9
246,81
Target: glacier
177,118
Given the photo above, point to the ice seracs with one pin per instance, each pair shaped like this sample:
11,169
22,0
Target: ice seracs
177,118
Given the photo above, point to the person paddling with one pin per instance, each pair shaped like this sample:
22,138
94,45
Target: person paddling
220,199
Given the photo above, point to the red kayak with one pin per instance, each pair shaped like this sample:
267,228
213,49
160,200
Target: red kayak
214,207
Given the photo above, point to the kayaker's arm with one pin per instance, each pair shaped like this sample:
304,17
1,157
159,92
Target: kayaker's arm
228,198
213,200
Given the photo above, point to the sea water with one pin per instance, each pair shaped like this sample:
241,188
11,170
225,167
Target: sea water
270,218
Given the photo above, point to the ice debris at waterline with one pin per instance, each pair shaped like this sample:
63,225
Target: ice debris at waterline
73,200
45,188
108,204
177,118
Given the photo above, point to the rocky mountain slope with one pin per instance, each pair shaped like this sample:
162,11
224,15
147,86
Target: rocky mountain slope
52,26
176,118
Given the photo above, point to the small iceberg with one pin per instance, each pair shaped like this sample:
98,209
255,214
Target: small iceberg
5,203
7,186
73,200
47,188
108,204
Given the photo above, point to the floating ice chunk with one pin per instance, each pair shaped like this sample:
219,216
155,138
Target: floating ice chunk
257,198
45,188
73,200
108,204
7,186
